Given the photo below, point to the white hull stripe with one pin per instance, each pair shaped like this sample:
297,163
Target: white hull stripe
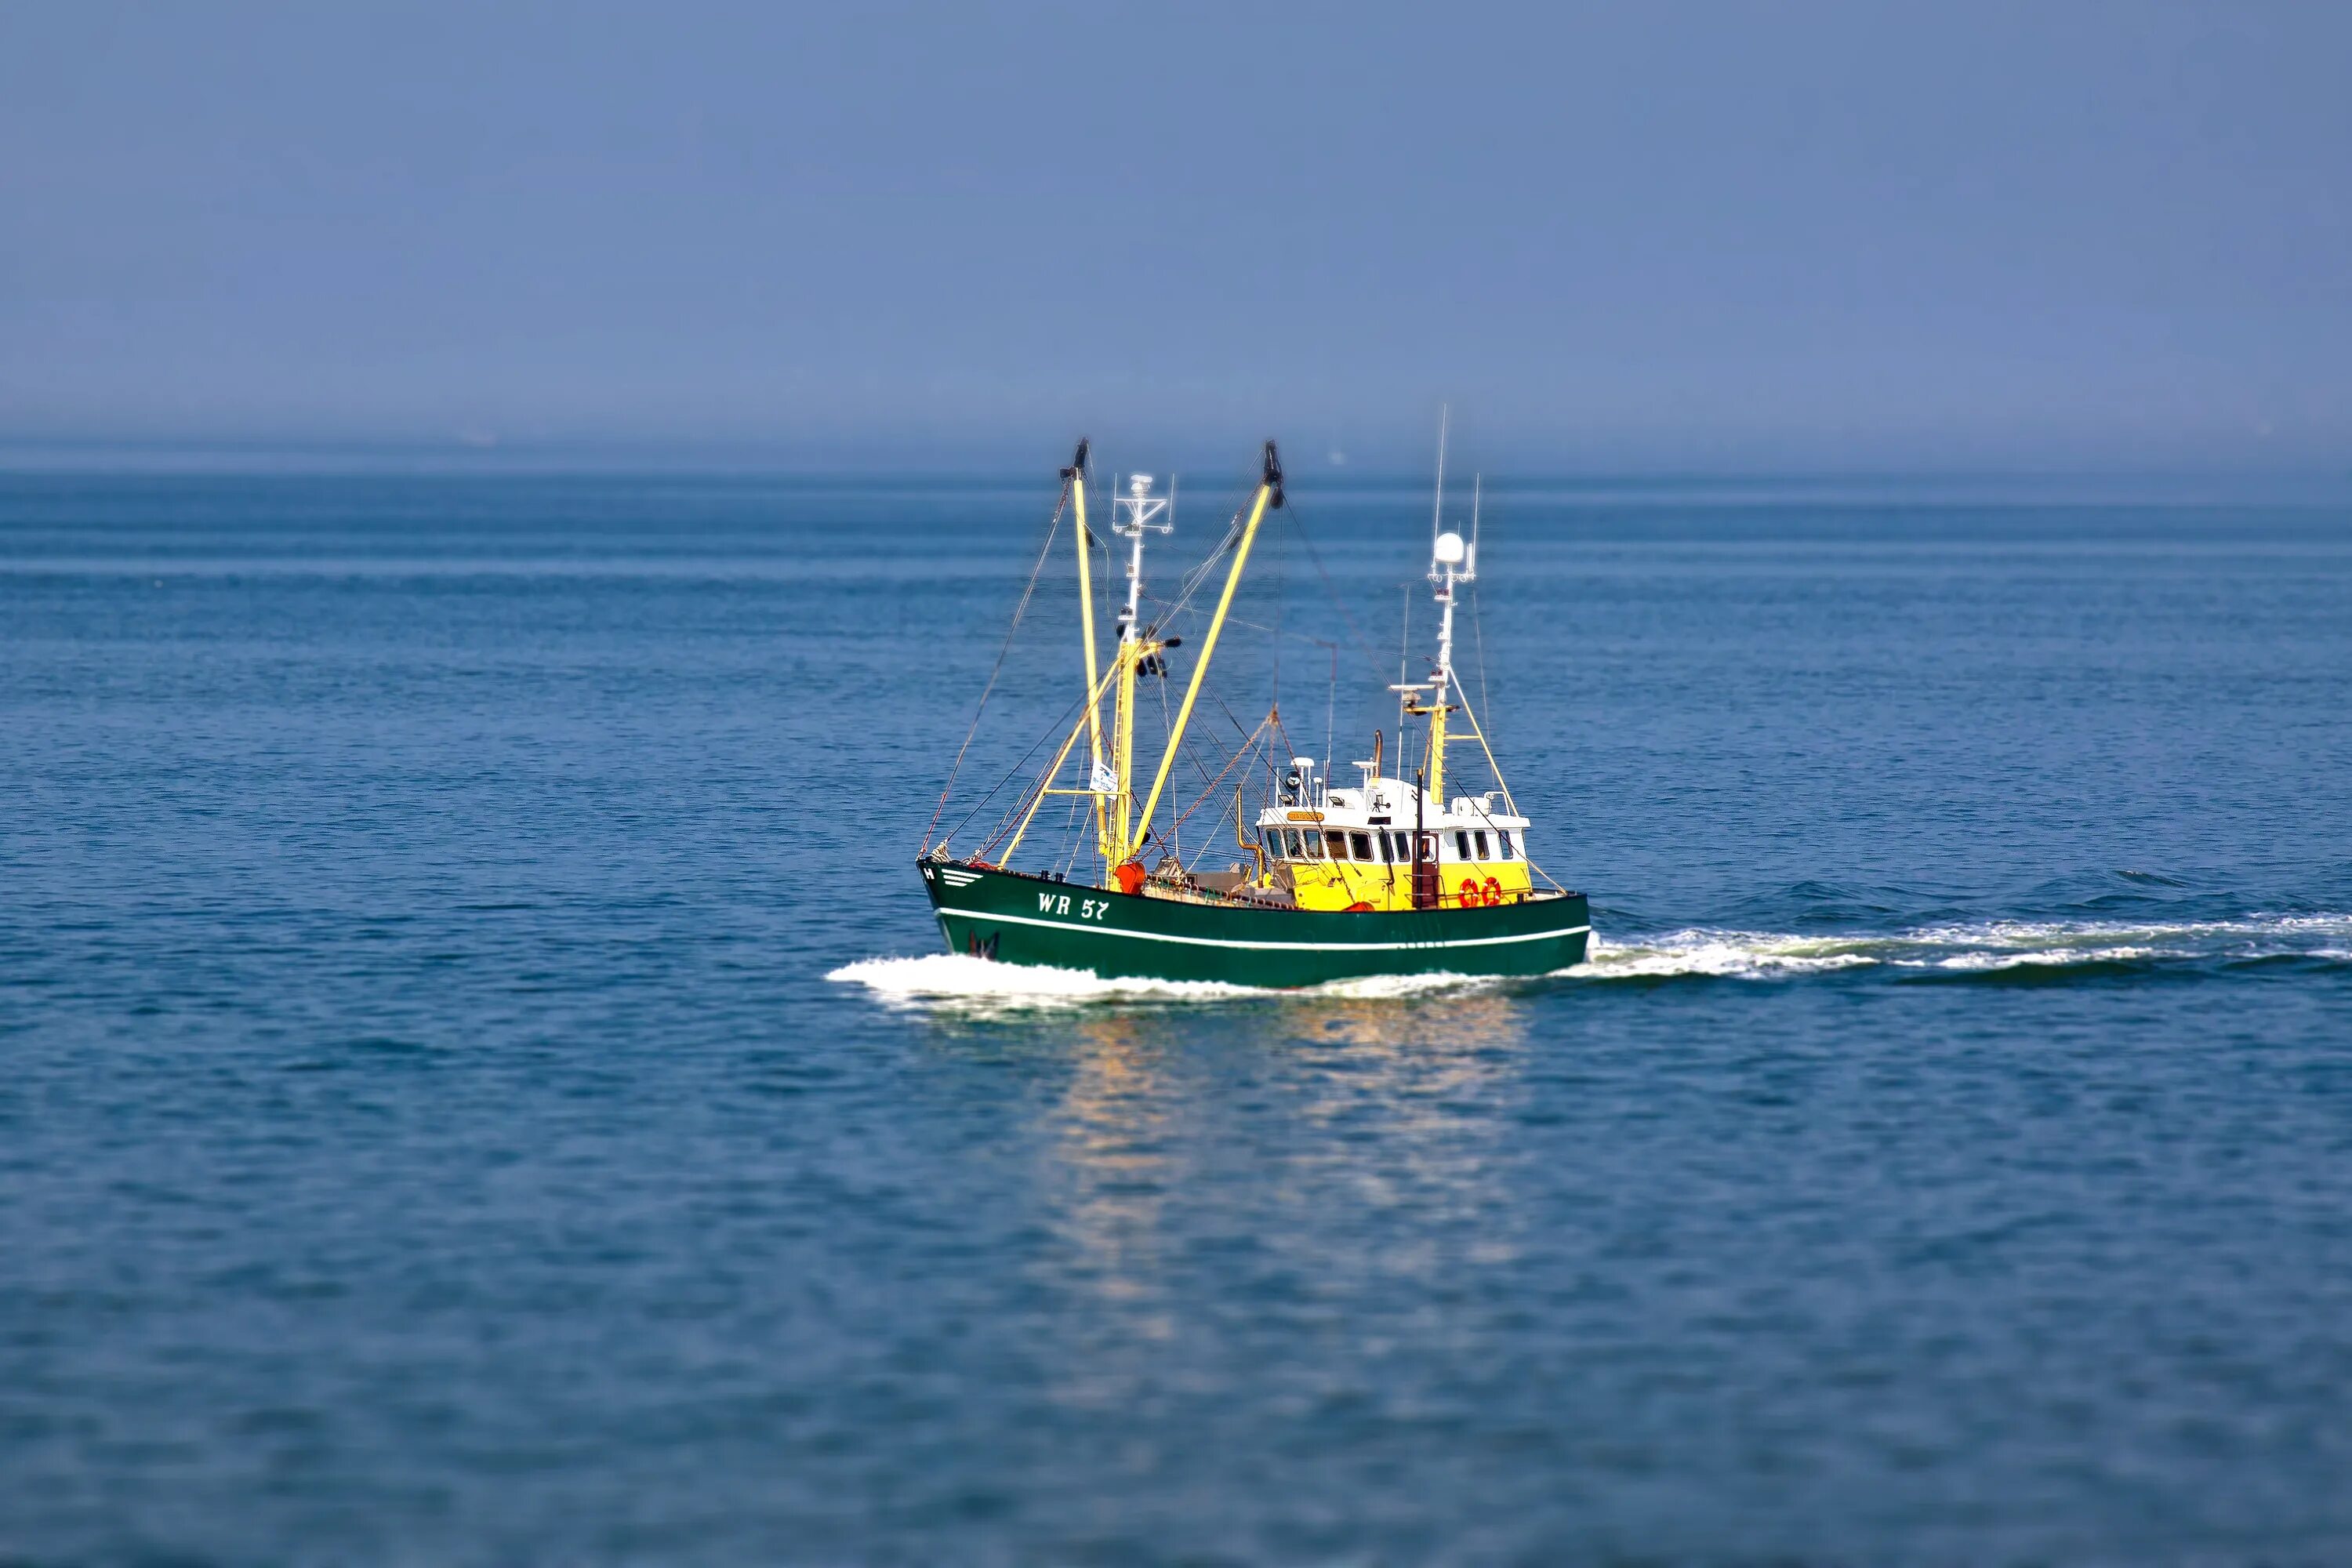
1284,946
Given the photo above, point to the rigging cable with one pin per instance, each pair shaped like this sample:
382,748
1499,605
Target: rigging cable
1315,557
1249,749
1011,773
1478,642
1249,746
1053,529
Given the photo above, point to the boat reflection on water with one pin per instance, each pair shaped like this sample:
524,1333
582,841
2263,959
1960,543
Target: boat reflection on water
1164,1162
1152,1112
1428,1032
1141,1076
1112,1156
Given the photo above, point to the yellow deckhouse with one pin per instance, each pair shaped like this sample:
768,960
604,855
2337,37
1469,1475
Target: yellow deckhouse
1389,844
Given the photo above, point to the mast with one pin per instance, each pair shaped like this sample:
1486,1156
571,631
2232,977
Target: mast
1446,569
1076,474
1132,516
1451,562
1269,494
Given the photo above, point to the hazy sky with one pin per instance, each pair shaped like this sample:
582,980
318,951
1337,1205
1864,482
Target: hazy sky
1625,236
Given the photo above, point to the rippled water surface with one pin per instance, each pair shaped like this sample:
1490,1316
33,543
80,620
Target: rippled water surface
482,1085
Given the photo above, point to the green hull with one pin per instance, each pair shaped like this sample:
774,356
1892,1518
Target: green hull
1018,919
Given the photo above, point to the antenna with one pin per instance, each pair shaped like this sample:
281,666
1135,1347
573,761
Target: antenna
1453,561
1404,656
1470,567
1331,709
1437,508
1132,515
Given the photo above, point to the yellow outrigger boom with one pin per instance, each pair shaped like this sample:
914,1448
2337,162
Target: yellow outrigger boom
1270,493
1076,474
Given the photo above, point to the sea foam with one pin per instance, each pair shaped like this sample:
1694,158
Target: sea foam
972,984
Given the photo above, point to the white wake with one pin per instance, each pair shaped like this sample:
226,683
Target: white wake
1974,947
979,985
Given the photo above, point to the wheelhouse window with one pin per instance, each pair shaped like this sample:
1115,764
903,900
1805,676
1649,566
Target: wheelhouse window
1503,842
1462,844
1338,845
1310,843
1274,844
1363,845
1481,836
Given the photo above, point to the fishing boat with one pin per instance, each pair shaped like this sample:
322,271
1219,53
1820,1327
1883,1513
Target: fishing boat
1378,876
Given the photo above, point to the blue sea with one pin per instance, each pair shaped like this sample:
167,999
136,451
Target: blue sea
479,1082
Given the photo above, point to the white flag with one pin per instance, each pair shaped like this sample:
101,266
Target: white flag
1105,782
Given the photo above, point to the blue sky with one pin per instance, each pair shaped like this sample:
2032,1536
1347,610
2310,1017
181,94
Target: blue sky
1625,237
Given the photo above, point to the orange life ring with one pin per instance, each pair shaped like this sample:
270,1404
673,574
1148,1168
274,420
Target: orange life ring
1494,891
1471,898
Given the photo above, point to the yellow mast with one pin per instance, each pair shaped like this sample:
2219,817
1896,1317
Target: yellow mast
1076,474
1129,656
1269,492
1437,752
